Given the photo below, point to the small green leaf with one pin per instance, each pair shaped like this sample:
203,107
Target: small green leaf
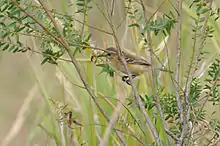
15,12
15,50
80,4
44,61
11,48
6,47
134,25
88,37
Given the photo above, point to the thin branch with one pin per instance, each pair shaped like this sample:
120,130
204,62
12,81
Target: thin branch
169,68
112,7
64,43
153,72
202,107
178,65
120,23
20,23
90,26
111,124
187,88
35,20
138,99
135,120
47,55
132,135
75,63
80,72
151,17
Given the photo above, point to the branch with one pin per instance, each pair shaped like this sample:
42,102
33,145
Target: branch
178,59
147,21
65,45
90,26
138,99
188,85
79,70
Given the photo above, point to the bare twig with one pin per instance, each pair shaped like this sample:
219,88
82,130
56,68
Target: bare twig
132,135
83,23
169,68
153,73
178,59
66,46
112,7
79,70
188,84
135,120
140,103
47,55
111,124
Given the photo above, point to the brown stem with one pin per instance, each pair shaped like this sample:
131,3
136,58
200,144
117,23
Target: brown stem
166,129
134,88
178,65
188,85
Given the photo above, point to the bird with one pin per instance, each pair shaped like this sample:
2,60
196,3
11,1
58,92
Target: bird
137,65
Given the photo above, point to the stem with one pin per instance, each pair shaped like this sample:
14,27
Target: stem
134,88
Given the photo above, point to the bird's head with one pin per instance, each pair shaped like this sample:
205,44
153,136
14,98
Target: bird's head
109,53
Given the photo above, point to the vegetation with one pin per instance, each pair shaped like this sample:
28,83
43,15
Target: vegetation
159,108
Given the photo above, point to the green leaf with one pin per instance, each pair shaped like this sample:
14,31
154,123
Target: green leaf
11,48
80,4
203,11
6,47
13,24
44,61
107,69
134,25
88,37
15,12
20,29
15,50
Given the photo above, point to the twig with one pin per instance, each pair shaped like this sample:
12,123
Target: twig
20,23
80,72
140,104
153,73
135,120
169,68
178,59
188,85
47,55
90,26
202,107
74,19
65,45
120,23
111,125
132,135
112,7
75,63
148,20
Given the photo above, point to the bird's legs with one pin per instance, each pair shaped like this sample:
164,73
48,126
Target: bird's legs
127,80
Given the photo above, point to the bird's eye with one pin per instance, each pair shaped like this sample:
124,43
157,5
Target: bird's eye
108,54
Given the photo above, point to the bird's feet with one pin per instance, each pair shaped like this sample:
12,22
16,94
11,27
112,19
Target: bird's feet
127,80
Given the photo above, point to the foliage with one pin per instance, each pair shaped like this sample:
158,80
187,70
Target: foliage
212,82
31,20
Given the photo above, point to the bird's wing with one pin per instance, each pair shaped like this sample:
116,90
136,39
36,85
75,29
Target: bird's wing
138,61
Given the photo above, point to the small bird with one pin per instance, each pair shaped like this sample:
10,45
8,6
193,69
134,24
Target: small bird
137,65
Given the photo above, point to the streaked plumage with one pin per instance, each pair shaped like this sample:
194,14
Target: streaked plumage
136,64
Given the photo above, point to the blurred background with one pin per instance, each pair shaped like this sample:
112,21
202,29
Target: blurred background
25,83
